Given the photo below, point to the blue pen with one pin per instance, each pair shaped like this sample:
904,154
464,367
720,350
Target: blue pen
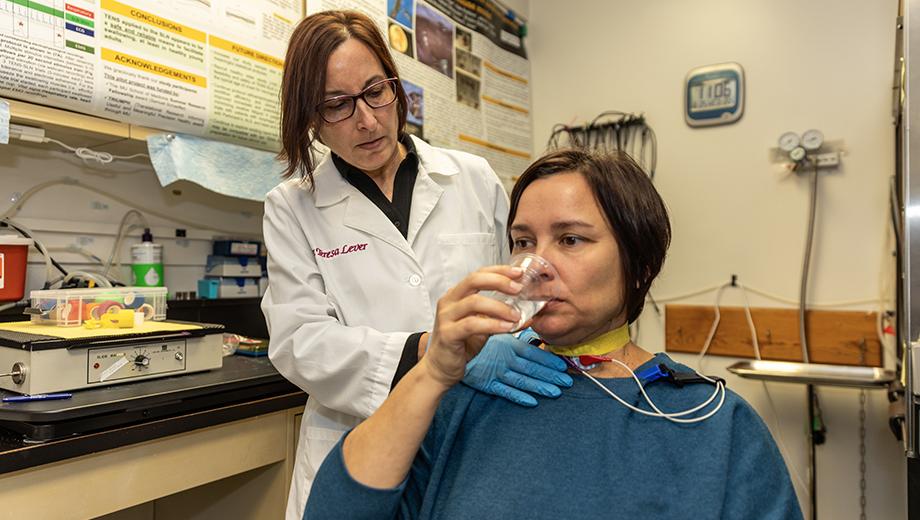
36,397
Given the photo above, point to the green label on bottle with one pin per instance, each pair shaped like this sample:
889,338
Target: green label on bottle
147,275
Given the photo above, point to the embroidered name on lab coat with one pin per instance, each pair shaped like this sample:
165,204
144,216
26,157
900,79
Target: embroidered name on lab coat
342,250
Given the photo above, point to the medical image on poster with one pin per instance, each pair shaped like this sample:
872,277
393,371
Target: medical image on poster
468,90
415,118
469,63
401,11
463,39
434,39
400,39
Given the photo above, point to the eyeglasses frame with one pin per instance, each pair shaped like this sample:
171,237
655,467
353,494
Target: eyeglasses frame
354,98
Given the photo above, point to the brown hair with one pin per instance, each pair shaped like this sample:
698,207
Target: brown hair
304,82
633,209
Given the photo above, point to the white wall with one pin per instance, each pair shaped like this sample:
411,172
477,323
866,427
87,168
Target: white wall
818,64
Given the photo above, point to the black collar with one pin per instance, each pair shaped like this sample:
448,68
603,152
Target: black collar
397,210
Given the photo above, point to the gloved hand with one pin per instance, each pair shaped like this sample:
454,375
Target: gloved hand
509,367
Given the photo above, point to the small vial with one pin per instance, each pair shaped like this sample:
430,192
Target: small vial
539,287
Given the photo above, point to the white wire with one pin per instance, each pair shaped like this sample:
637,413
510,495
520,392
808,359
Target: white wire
17,205
116,249
122,231
750,319
687,295
10,305
39,245
101,281
767,295
718,318
779,440
673,416
712,328
13,210
756,344
845,303
87,154
779,434
73,248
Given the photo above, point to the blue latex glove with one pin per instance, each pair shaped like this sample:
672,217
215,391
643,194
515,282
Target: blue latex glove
510,368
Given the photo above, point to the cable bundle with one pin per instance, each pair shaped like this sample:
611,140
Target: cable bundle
611,131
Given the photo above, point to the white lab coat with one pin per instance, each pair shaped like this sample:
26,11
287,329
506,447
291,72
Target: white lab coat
346,289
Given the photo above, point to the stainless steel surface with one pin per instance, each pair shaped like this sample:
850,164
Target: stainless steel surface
909,211
814,373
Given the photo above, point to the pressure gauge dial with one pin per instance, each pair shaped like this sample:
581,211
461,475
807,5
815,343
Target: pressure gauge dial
812,139
788,141
797,154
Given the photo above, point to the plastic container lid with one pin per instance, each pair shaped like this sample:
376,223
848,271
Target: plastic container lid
14,240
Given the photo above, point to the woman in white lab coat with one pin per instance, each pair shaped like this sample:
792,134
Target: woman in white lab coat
361,245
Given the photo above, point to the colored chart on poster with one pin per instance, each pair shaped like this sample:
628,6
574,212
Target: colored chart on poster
204,67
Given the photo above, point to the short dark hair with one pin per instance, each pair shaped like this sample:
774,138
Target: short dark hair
303,86
631,205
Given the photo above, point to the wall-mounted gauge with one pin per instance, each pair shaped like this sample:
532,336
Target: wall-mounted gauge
812,140
797,153
788,141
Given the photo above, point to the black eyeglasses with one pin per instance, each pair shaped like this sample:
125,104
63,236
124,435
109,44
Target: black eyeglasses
376,95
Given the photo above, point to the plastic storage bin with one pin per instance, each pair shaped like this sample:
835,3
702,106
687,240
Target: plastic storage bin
14,251
231,247
214,288
233,266
71,307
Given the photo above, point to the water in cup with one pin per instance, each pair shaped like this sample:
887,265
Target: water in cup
539,287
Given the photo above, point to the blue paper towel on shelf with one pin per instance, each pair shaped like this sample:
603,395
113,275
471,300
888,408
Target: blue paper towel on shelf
225,168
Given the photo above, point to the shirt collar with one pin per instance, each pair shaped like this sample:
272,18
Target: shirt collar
331,187
433,160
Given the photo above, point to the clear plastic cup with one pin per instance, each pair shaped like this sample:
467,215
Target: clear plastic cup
539,287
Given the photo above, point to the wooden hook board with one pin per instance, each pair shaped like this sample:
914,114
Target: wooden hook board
834,337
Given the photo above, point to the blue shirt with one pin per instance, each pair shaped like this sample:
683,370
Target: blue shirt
580,456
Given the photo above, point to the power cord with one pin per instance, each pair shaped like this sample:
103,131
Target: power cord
37,135
621,131
88,154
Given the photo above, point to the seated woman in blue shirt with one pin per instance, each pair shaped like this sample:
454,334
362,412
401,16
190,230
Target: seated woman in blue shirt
439,450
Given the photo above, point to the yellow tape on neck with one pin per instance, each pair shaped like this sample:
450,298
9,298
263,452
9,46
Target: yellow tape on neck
603,344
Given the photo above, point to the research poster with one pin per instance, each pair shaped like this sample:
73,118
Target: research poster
203,67
465,70
213,68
